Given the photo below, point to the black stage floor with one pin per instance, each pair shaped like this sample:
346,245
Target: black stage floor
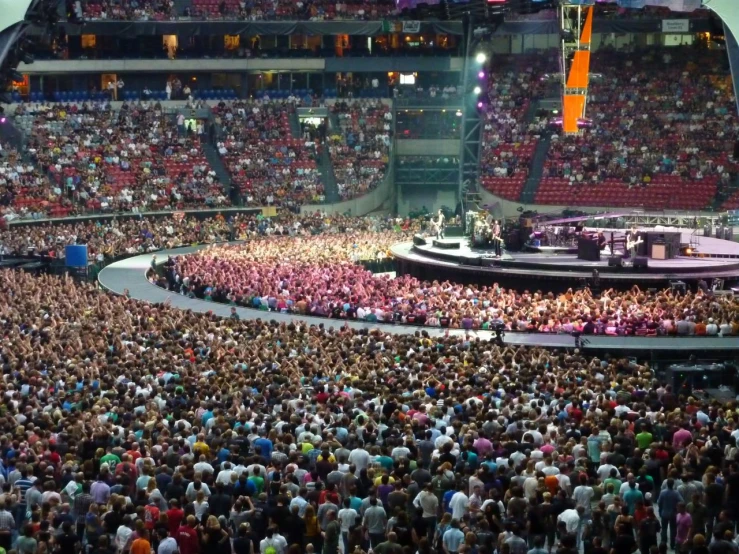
720,260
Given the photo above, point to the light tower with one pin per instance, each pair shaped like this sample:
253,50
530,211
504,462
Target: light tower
576,31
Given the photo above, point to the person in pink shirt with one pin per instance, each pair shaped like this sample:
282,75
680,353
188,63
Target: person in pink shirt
684,524
483,445
681,437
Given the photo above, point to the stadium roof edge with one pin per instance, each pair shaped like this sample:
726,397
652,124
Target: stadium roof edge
13,12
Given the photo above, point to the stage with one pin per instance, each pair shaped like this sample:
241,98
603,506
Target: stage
454,259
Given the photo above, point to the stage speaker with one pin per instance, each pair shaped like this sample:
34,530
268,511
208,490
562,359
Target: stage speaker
707,231
470,260
736,150
615,261
641,262
418,240
719,232
728,233
659,251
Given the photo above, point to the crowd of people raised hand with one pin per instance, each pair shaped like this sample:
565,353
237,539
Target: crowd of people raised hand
129,427
268,164
135,159
359,149
317,271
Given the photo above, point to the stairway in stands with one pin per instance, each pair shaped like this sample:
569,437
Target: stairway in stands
536,171
295,129
724,193
530,114
224,177
14,137
328,178
333,127
181,5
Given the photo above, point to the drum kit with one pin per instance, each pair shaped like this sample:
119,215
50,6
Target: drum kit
483,232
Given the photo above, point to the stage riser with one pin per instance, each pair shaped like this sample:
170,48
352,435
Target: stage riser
453,255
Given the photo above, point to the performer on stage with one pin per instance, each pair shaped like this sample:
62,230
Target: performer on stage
497,240
440,226
632,241
601,241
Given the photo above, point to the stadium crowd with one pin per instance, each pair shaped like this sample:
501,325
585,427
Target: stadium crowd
510,135
319,274
359,148
98,159
245,10
130,427
662,120
652,138
268,164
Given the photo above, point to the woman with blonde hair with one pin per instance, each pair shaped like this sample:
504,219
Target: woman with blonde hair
216,539
312,528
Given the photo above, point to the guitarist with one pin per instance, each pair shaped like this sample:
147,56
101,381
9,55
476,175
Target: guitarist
497,239
632,241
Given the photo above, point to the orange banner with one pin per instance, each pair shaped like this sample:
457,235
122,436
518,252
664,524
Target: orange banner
587,30
578,77
573,108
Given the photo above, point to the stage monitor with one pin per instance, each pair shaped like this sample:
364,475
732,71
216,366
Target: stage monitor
641,262
588,249
418,240
615,261
470,260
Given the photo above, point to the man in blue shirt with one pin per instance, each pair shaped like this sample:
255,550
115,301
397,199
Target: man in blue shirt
453,538
265,445
667,502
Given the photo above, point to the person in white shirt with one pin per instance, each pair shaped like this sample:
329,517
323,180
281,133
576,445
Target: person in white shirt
711,328
273,539
168,545
347,518
360,458
459,504
203,466
124,533
571,518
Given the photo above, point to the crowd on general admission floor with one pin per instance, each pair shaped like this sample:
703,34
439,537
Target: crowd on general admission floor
129,427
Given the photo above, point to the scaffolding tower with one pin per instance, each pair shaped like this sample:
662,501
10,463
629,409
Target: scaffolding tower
576,31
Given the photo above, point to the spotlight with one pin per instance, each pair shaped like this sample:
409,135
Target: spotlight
479,104
481,57
477,90
26,58
481,75
16,76
2,120
459,113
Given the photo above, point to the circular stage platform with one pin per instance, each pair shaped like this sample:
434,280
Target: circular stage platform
130,274
453,259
